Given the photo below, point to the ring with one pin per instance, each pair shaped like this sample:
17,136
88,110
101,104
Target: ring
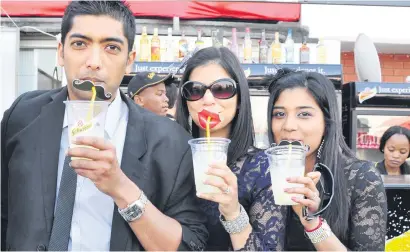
227,190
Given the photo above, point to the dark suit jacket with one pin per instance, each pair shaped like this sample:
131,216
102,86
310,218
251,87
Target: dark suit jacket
156,157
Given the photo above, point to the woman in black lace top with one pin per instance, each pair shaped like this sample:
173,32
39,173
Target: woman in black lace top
214,82
303,106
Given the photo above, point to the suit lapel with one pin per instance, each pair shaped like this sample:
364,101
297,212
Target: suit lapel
51,120
134,148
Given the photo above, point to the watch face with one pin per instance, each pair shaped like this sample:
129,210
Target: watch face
134,212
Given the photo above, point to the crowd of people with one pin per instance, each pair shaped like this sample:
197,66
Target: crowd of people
137,191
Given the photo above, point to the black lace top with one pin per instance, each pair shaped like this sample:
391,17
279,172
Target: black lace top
368,213
255,194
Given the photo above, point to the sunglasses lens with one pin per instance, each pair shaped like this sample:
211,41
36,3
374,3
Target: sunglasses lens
223,89
193,91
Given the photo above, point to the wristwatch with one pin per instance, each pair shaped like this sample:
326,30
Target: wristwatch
320,233
135,210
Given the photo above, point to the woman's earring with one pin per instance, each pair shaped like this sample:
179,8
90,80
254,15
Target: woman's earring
319,151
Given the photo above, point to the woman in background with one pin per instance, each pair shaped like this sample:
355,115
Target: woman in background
214,84
395,145
303,106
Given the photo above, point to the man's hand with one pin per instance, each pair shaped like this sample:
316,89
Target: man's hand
102,166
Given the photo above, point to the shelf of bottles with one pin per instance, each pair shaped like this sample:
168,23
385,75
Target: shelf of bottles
258,56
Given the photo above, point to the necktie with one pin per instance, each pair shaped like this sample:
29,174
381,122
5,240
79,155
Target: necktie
60,232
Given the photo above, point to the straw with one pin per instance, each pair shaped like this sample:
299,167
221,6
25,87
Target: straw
91,110
208,129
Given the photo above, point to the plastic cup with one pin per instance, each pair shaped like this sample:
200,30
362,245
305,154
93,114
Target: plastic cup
85,118
286,162
204,152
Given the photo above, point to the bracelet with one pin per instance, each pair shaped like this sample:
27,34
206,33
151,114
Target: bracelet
318,226
320,233
238,224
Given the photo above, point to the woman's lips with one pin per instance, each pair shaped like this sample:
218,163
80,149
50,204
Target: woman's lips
203,119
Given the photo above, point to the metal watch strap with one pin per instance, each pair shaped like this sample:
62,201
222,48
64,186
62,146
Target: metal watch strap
321,233
135,210
237,225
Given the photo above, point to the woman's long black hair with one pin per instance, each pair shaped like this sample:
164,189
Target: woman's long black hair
404,168
335,153
242,132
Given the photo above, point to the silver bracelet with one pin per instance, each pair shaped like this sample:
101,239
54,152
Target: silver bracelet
237,225
321,233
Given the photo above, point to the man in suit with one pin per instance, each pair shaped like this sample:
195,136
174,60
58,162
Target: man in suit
148,90
136,190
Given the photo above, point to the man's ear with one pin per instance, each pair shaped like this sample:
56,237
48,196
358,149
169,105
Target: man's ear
139,100
60,52
130,61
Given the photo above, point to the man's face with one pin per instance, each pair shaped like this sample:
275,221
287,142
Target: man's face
95,49
154,99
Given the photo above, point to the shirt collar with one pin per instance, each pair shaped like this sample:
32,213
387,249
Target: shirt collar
112,118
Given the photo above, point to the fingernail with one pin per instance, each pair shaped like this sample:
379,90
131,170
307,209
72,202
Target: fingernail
286,190
294,198
287,179
204,181
198,194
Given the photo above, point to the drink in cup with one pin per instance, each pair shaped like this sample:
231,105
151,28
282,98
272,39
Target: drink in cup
204,152
85,118
286,161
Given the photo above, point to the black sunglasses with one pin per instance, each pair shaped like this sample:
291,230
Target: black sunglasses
221,89
326,189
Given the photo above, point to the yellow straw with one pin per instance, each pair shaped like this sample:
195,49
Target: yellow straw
208,130
91,111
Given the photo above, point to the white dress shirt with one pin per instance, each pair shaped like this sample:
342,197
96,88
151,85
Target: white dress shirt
93,210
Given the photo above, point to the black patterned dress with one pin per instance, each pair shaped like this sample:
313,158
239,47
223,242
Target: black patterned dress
255,195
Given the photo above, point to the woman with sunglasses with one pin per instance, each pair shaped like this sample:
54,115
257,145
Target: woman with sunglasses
303,106
243,215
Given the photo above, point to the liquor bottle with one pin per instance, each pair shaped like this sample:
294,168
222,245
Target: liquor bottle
247,53
304,52
169,49
144,46
183,47
199,43
321,53
263,49
276,50
290,48
155,47
234,43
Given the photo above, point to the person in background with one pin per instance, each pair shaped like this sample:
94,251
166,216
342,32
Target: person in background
172,94
395,145
243,215
147,89
302,106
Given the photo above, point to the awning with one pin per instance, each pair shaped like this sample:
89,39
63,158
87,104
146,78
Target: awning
193,10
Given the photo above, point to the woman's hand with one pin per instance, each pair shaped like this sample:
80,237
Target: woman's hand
311,198
223,178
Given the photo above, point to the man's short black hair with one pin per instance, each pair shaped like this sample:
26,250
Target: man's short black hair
117,10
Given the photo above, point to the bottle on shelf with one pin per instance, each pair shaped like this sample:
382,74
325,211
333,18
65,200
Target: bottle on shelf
321,54
276,50
290,48
169,48
155,47
183,47
144,46
263,49
304,52
234,43
199,43
247,53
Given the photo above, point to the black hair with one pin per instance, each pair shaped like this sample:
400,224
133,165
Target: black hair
117,10
172,93
393,130
242,132
334,153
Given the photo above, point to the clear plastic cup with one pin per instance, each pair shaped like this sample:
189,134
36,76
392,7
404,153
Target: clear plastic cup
286,162
203,154
85,119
